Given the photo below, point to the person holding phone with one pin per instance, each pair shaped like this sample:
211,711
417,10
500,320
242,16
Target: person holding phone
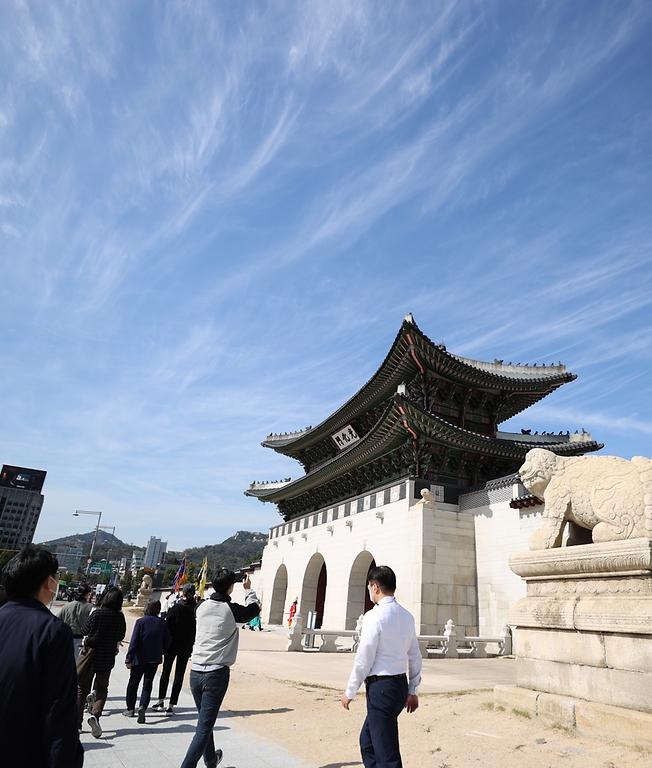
214,652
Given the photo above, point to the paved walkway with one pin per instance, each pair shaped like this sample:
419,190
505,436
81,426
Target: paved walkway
163,741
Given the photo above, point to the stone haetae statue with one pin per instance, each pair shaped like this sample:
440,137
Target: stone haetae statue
146,583
428,498
609,496
145,591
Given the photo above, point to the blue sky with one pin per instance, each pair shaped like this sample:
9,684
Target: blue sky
214,217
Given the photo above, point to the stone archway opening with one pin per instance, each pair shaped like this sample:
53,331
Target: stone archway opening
279,594
358,600
313,591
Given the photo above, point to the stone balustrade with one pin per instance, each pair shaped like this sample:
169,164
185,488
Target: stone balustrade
450,645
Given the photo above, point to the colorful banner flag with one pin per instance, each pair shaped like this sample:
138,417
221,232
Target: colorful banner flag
180,576
203,574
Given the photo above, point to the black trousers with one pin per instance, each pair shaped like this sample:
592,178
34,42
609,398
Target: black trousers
138,672
386,698
179,671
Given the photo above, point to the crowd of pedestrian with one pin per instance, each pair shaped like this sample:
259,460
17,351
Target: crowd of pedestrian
54,669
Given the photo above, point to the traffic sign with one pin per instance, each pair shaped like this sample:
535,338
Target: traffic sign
89,560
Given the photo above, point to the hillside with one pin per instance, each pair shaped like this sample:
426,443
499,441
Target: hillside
107,545
238,550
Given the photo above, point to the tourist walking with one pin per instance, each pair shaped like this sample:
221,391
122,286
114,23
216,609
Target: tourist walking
215,650
103,630
181,623
148,641
75,613
38,681
388,649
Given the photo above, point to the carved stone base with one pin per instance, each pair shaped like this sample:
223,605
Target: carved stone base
584,631
588,718
144,595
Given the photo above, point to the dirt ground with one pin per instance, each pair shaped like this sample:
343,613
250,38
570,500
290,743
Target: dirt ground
448,730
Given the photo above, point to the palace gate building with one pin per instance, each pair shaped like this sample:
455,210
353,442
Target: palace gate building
427,419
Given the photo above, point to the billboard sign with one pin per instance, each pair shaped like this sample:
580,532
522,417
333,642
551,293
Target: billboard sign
21,477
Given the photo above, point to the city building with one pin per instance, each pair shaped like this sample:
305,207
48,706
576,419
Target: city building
70,558
137,560
427,422
155,552
21,502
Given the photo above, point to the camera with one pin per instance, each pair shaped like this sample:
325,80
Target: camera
240,577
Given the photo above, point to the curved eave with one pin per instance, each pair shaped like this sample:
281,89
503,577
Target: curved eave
437,430
403,362
404,419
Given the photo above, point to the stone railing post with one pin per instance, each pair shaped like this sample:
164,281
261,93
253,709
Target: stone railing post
450,641
423,648
358,630
506,634
295,634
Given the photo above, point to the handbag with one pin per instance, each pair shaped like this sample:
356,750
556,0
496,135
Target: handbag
84,659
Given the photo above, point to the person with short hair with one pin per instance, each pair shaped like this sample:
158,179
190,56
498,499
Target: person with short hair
75,613
214,652
104,630
388,649
148,641
38,680
181,623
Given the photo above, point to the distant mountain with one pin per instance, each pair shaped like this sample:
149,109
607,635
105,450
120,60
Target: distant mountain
107,545
238,550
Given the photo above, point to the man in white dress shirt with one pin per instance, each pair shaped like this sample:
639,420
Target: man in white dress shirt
388,649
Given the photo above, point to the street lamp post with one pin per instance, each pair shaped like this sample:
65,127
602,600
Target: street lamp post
78,512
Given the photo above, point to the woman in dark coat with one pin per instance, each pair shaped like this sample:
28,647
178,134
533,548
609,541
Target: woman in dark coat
148,641
104,629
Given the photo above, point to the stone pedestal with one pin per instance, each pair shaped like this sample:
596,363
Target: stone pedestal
583,639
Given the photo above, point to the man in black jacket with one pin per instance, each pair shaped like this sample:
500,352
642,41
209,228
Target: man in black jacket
38,679
181,622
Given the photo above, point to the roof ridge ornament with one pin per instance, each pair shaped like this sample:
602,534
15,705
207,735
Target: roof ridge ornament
409,318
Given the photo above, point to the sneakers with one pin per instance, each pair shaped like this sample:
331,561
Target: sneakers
158,707
128,713
96,728
218,759
169,712
141,715
90,700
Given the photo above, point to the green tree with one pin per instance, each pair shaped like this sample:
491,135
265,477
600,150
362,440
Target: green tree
127,582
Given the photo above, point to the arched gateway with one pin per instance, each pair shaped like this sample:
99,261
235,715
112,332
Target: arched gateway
279,593
358,600
313,591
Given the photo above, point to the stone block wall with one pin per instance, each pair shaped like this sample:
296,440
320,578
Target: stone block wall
499,532
448,581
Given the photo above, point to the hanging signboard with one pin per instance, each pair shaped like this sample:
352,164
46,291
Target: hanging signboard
345,437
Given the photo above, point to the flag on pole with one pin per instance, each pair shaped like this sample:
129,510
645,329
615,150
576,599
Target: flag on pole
180,576
202,577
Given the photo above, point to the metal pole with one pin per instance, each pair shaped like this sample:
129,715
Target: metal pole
78,512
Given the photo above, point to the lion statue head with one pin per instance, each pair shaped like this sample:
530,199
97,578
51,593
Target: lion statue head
537,470
146,582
